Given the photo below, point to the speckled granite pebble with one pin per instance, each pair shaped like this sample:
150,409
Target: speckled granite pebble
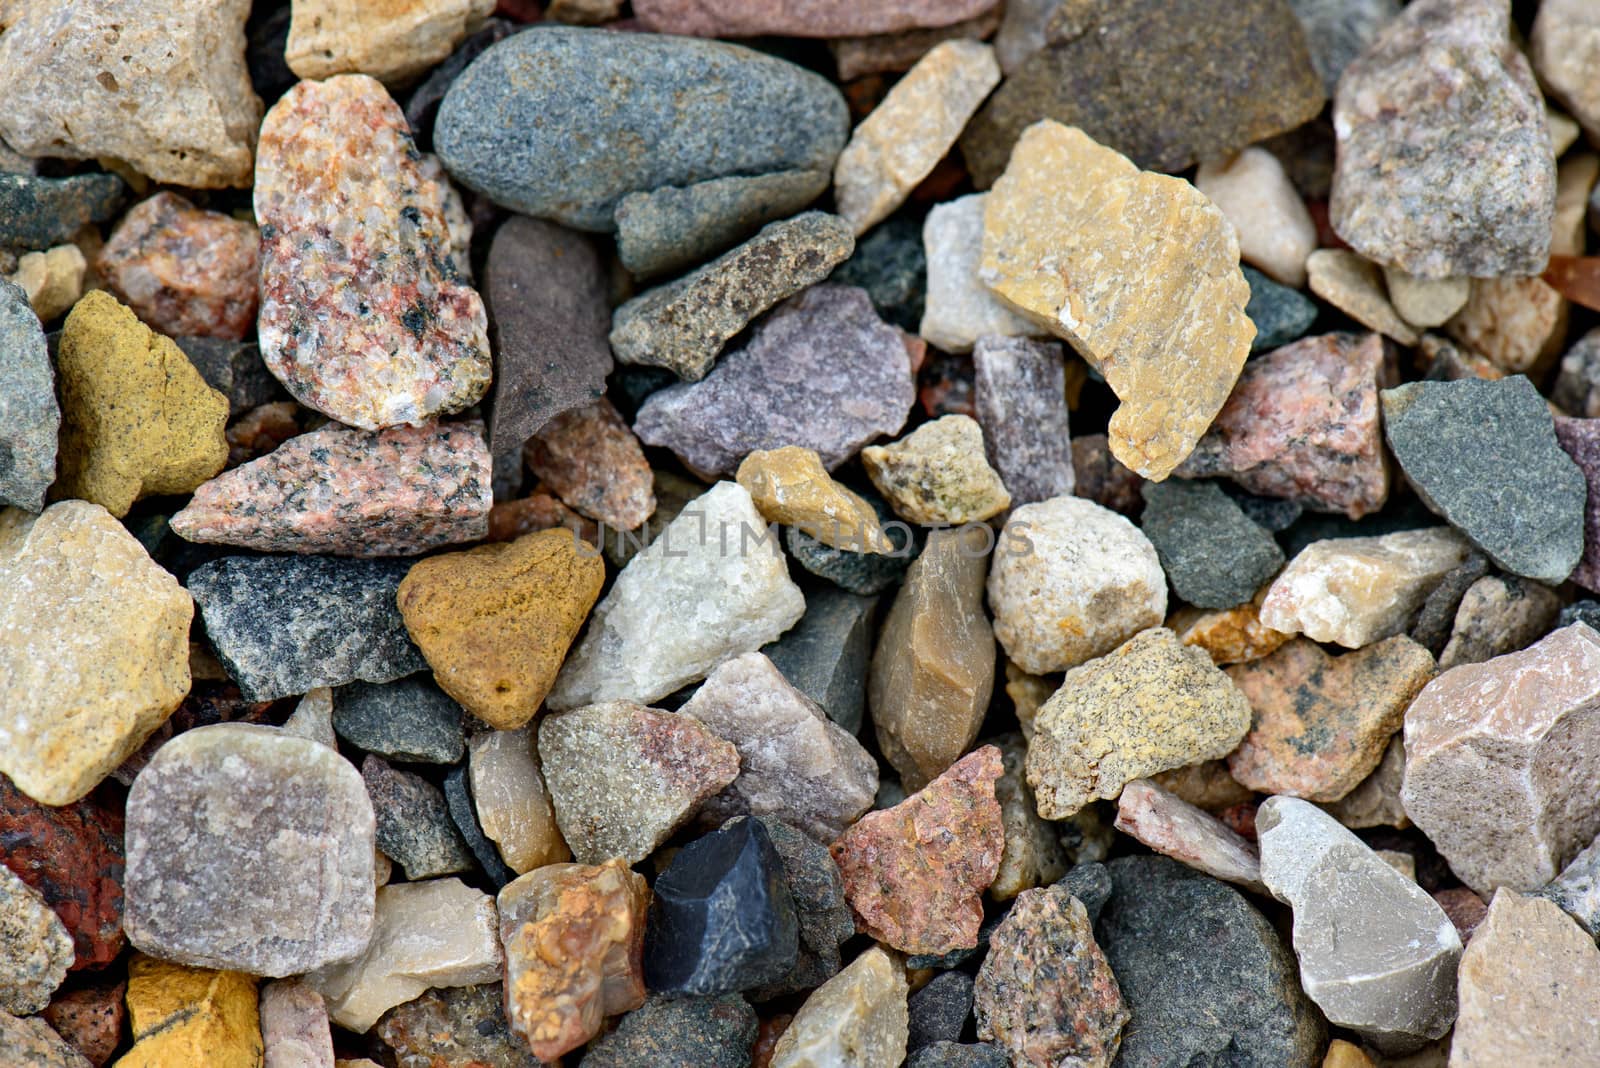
414,828
30,416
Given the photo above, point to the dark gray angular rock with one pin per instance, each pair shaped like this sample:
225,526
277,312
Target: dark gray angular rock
1090,883
1237,1002
234,369
1271,513
939,1011
1437,617
891,264
722,919
30,418
672,228
680,1033
284,625
954,1055
422,106
1577,889
1585,611
409,719
36,213
414,826
1484,456
825,655
1020,393
1280,314
1214,556
865,574
647,111
1577,387
545,289
458,799
824,917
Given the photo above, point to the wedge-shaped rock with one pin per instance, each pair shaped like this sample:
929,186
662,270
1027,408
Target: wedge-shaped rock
181,1015
512,801
938,474
858,1017
790,486
1173,827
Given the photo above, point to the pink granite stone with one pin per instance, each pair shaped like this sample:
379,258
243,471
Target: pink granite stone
815,18
1580,439
348,492
1173,827
363,315
590,459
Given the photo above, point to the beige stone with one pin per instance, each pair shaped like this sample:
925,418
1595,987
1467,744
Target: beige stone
1520,324
1028,694
959,308
1033,855
53,280
1566,53
1274,228
1375,802
1425,302
1229,635
1355,286
94,648
35,948
1564,129
857,1018
512,801
790,486
394,41
938,473
1575,180
1066,229
1342,1054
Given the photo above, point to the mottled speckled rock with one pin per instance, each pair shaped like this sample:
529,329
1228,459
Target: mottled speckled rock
672,228
409,719
938,474
90,1019
294,1026
1565,46
454,1027
589,458
1280,314
1576,390
363,315
1444,82
414,827
1499,614
858,1018
37,213
1213,554
829,18
1338,31
209,806
700,110
35,948
1580,439
790,486
1172,352
1484,455
822,371
182,1015
939,1011
30,417
959,308
824,917
664,1032
915,874
393,44
959,1055
1020,393
1175,828
1045,991
1234,636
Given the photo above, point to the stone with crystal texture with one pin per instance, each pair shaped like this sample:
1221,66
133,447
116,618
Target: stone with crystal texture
790,486
1232,636
181,1015
1214,555
1175,828
1580,439
1033,854
938,1012
35,948
714,603
363,315
53,280
938,474
589,458
1499,614
413,822
454,1027
1255,195
858,1017
1577,889
705,1032
1354,285
1512,324
1019,391
30,415
1377,954
294,1026
345,492
512,800
394,43
202,815
1171,353
409,719
829,18
959,308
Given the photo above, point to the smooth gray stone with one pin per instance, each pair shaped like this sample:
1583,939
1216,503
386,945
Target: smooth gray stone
825,655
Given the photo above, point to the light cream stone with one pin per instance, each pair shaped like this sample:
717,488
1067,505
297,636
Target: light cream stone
959,308
1425,302
1565,48
1274,228
1066,228
53,280
1564,129
394,41
1401,861
858,1018
511,799
313,718
35,948
938,474
1173,827
1354,285
1520,324
1575,180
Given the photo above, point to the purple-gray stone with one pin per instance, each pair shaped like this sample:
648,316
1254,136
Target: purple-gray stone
414,828
1020,392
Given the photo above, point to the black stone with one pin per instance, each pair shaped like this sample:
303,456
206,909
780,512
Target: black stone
1090,883
458,799
1585,611
1280,314
423,103
414,826
891,264
1437,617
1214,556
715,1032
722,919
952,1055
409,719
939,1011
234,369
39,213
825,655
824,917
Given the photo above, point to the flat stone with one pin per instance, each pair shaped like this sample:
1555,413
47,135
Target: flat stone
914,874
1577,889
1319,723
136,417
1356,591
328,38
960,308
1071,581
533,594
1274,228
35,948
1484,455
699,110
1213,554
1033,854
1481,743
1431,75
42,212
550,347
53,280
1173,356
345,492
94,648
1173,827
938,474
822,372
1302,424
831,18
933,668
1377,954
1019,391
623,778
409,719
90,1020
858,1018
377,328
790,486
456,1027
512,801
1375,800
436,933
294,1026
573,937
669,228
1150,705
1499,614
714,603
234,369
284,625
458,798
711,1032
1045,991
202,815
826,655
1280,314
413,822
911,130
890,264
182,110
1238,1001
182,1015
1515,324
1355,286
1424,302
794,762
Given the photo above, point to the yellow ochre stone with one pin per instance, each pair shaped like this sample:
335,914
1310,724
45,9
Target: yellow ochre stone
790,486
191,1016
938,474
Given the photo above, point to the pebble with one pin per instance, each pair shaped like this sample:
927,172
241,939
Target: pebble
395,492
185,271
30,416
294,1026
182,1015
1563,50
683,325
1175,828
1205,784
35,948
1271,221
939,1011
1107,69
39,213
53,280
1424,302
830,18
284,625
722,918
1377,954
590,459
794,762
1149,705
409,719
167,94
705,1032
866,574
1239,1001
738,112
914,874
573,936
414,827
1320,723
824,917
1170,351
90,1019
1072,581
911,130
858,1017
1280,314
683,606
373,328
1443,82
1354,285
436,933
458,798
1338,31
623,778
533,594
1213,554
826,655
790,486
890,264
1580,439
1516,324
1019,393
932,670
1356,591
1478,741
1045,992
1499,614
512,802
1484,455
959,308
1033,854
1577,385
822,372
136,417
454,1027
328,38
937,474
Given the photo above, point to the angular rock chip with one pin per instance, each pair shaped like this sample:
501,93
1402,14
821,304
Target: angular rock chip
1577,889
707,1032
938,1012
37,212
1281,314
182,1015
1214,555
824,917
826,655
1354,285
294,1026
327,37
513,803
1512,324
829,18
409,719
937,474
790,486
959,308
1175,828
234,369
30,416
1499,614
858,1018
589,458
1019,391
35,948
413,822
457,1027
671,228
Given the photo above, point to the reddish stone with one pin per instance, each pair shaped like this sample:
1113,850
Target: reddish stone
1102,478
1465,909
916,349
262,429
512,519
73,856
772,1029
590,459
1577,278
1241,819
90,1020
915,874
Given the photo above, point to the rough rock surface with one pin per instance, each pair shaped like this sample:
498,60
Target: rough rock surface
456,1027
90,1019
1019,393
35,948
1033,854
937,474
294,1026
53,280
1214,555
589,458
1234,636
1499,614
672,228
858,1018
707,1032
181,1015
959,308
939,1011
1513,324
790,486
414,827
512,801
409,719
394,44
1577,889
1175,828
829,18
29,413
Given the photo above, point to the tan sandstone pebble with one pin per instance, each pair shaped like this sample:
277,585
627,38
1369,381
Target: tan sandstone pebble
1355,286
1566,48
495,622
182,1015
1229,635
1173,827
512,802
1342,1054
394,42
938,474
53,280
1425,302
790,486
858,1017
1065,227
1033,853
1205,784
1274,228
1519,324
590,459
